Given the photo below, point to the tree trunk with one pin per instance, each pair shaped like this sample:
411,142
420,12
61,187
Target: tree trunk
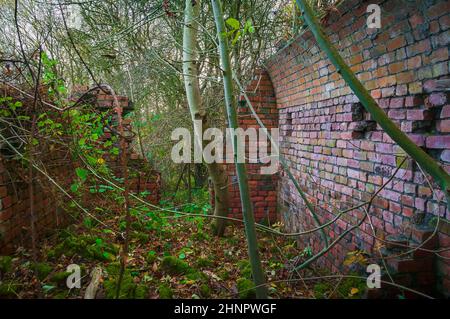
216,171
247,209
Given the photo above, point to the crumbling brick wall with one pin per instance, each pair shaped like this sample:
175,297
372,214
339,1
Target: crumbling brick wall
340,156
263,187
15,226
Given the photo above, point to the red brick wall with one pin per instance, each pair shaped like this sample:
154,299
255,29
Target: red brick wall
339,155
15,209
263,188
15,223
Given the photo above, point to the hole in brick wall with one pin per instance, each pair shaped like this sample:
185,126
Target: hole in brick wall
288,131
361,121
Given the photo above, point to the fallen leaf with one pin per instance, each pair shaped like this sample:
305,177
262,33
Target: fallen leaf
354,291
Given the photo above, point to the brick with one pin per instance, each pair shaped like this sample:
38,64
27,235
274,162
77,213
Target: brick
415,88
445,156
425,278
416,20
413,101
396,67
444,22
436,99
414,62
405,77
401,90
411,265
397,102
418,48
438,142
438,10
419,115
443,126
397,114
396,43
421,234
445,113
440,69
439,55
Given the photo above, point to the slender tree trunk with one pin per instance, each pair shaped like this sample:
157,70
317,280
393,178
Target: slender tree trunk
216,171
247,209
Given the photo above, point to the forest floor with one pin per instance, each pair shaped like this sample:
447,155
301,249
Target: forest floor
169,258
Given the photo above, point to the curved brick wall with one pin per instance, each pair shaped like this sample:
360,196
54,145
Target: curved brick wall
340,156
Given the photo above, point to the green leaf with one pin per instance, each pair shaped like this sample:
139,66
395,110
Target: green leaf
232,22
236,37
182,256
47,288
82,142
115,151
81,173
74,187
249,27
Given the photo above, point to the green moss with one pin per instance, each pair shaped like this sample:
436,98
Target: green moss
60,295
128,288
175,266
8,289
347,284
245,268
246,288
224,274
205,290
343,290
322,289
151,257
42,270
141,237
137,226
89,247
60,277
197,276
5,264
204,262
233,241
165,292
200,236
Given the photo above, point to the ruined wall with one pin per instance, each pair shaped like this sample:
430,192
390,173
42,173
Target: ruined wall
340,156
15,225
263,187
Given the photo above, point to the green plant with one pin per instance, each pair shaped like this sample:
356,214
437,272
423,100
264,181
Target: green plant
246,288
8,289
42,270
165,292
128,288
5,264
174,265
151,256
